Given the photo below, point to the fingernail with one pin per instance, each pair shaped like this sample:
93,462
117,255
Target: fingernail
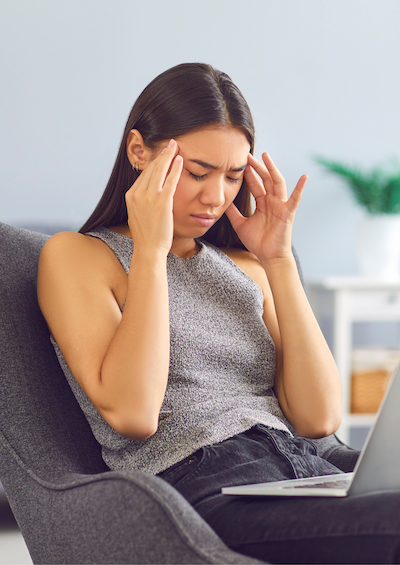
171,143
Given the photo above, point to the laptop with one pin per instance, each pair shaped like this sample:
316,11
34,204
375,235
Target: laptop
377,469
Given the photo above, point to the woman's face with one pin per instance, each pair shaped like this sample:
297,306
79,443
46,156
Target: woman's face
214,160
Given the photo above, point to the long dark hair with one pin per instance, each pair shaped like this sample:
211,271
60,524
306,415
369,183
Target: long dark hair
183,99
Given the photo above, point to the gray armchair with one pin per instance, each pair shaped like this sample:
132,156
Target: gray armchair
69,506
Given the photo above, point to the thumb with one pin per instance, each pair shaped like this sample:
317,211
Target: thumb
234,216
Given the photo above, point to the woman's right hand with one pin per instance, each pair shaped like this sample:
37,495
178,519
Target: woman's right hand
150,201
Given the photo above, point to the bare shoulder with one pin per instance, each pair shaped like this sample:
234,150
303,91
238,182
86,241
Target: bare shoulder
249,263
65,246
70,256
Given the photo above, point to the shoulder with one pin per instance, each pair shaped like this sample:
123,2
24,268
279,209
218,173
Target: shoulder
66,247
74,258
249,264
65,243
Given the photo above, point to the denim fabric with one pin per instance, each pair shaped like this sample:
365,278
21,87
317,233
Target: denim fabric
360,529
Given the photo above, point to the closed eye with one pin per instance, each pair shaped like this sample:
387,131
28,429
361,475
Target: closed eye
197,177
202,177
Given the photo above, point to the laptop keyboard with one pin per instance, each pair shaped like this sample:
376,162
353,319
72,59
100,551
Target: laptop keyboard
339,483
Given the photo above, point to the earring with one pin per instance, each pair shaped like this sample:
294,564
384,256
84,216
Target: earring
135,167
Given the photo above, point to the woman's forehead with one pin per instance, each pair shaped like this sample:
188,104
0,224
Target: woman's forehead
215,147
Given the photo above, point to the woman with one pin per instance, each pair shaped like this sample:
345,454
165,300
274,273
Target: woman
181,324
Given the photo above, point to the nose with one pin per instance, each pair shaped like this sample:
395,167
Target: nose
213,194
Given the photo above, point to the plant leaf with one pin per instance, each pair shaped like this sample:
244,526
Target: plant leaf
377,190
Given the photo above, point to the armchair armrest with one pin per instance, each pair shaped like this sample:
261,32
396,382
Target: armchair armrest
112,517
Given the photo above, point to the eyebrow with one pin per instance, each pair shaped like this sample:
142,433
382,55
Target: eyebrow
214,167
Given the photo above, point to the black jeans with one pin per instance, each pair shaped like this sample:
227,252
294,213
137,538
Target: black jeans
359,529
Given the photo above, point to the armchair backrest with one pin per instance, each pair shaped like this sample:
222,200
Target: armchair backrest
41,424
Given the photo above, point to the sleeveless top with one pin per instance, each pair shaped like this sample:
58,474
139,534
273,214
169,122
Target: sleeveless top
222,362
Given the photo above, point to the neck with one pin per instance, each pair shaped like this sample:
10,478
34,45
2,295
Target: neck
184,247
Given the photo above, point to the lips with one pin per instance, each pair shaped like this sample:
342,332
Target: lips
205,220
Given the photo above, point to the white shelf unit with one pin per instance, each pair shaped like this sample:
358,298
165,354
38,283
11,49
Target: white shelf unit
345,300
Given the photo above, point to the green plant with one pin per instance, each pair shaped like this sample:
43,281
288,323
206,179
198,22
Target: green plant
377,190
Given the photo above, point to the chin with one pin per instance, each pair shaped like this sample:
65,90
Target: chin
192,232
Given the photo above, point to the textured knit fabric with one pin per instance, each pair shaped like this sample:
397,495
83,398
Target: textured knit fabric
222,362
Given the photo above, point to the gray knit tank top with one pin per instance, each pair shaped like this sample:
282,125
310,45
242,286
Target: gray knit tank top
222,362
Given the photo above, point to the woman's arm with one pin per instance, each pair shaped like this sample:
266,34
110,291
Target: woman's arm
120,360
307,382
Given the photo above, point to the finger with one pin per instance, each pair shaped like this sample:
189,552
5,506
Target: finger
173,176
235,217
154,175
273,170
142,182
276,176
263,172
254,183
297,193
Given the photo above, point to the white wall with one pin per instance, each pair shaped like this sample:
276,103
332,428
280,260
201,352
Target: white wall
321,76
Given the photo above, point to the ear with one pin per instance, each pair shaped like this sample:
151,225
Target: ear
137,152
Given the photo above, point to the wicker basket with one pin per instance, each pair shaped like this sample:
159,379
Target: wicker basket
367,390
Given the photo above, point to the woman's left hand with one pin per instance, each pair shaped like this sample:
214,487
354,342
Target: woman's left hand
267,233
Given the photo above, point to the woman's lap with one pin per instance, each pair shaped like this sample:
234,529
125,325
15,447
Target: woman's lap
310,530
362,529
